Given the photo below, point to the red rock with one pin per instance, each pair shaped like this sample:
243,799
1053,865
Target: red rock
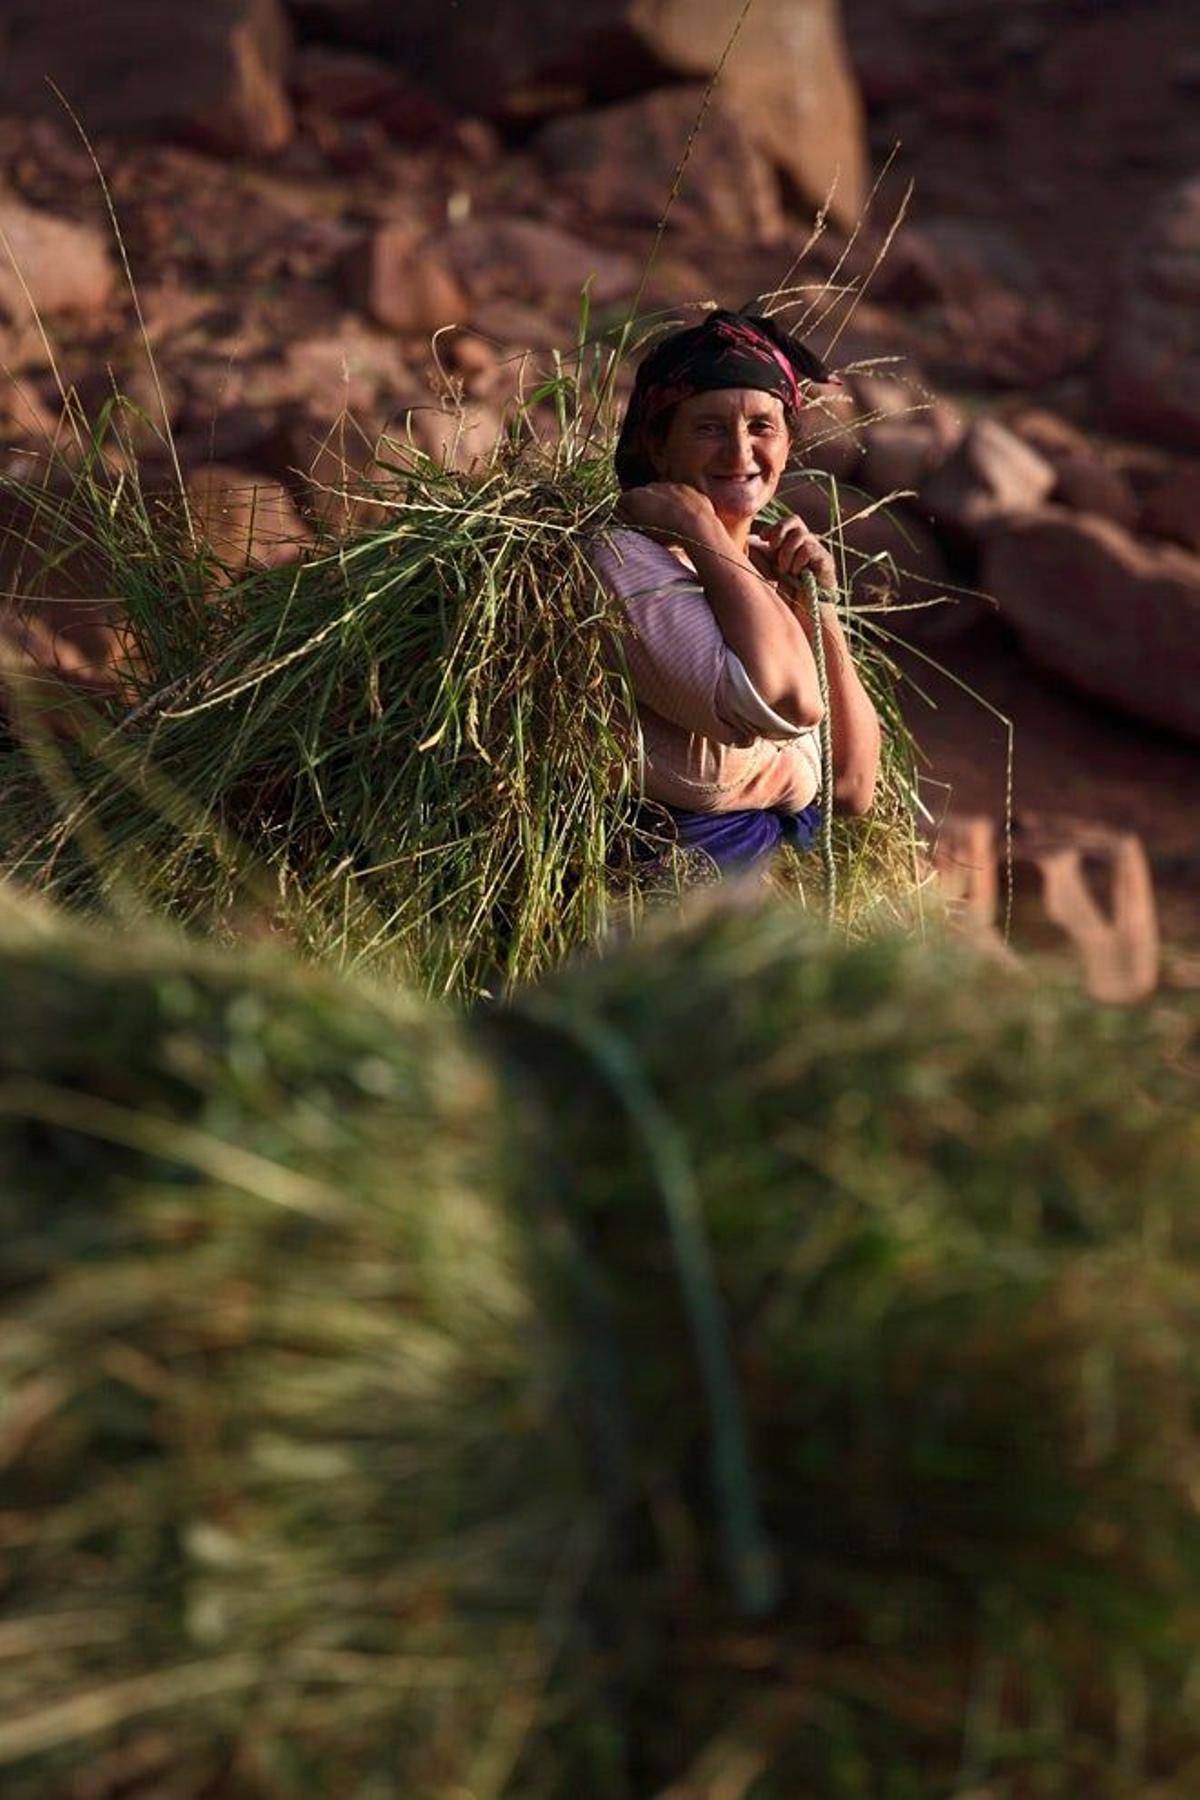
516,326
888,65
1171,509
58,642
886,396
990,473
50,264
952,260
170,309
1149,378
1114,616
246,519
1090,485
236,435
619,163
25,417
330,465
1114,931
459,437
404,283
213,73
962,109
900,454
472,362
348,369
1089,479
787,75
1049,433
44,688
1011,340
520,259
905,430
342,84
965,861
476,140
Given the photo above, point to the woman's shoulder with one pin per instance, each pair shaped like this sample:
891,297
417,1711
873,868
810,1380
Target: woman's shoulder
621,555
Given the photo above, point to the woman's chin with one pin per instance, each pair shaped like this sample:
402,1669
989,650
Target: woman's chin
736,515
733,508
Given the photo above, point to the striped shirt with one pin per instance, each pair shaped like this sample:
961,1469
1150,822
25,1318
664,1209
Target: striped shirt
710,742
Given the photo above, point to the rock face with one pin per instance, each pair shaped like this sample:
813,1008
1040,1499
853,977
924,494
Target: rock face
1150,365
619,163
787,76
213,73
992,472
1117,618
58,266
1088,480
520,259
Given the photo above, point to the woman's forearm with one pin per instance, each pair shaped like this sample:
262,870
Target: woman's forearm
759,626
854,724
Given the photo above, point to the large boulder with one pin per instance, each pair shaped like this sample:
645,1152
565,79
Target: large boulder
402,282
787,75
50,265
245,518
619,162
213,74
1090,478
992,472
1150,366
1116,617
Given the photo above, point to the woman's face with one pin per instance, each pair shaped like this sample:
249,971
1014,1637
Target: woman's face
732,444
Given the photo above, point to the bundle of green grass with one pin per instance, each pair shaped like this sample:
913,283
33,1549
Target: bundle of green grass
407,751
747,1365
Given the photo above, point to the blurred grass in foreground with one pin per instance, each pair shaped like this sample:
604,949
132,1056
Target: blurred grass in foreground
747,1362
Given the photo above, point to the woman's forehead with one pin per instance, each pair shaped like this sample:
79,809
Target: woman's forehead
731,403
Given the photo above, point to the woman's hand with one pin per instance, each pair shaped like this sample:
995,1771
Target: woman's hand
667,510
789,548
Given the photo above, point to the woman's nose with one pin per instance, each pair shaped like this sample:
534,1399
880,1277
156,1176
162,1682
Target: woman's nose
735,451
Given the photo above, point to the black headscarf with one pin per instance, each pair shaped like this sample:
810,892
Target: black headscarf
726,350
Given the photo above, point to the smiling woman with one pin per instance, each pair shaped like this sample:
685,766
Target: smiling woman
719,647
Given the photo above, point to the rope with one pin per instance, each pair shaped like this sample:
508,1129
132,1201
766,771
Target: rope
818,646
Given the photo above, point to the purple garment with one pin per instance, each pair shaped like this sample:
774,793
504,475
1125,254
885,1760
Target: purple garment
738,840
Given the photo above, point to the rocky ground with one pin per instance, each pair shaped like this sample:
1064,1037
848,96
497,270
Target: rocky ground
306,194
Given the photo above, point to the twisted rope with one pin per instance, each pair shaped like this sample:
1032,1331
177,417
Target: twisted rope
813,594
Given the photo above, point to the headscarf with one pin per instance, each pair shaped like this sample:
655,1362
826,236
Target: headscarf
726,350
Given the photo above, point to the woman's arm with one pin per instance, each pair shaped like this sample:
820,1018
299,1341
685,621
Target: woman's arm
755,621
788,549
853,722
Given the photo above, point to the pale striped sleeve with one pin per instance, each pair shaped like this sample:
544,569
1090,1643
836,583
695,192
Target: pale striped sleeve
679,664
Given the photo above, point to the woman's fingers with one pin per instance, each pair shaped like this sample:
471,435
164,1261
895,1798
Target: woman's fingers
795,548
